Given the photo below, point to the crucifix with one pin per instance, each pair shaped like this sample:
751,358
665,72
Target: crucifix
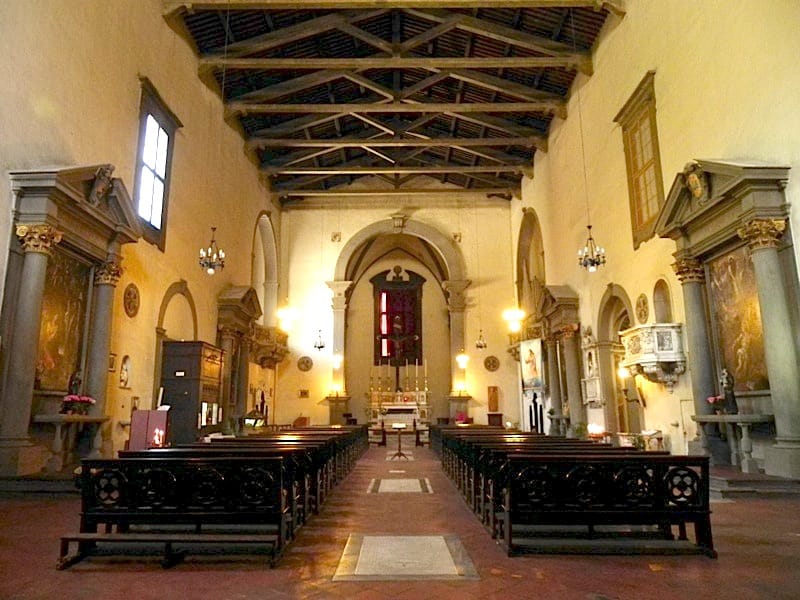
399,339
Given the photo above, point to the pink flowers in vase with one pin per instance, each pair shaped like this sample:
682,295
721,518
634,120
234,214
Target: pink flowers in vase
718,402
76,404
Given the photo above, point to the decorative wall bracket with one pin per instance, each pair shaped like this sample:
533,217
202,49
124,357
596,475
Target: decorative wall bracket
655,351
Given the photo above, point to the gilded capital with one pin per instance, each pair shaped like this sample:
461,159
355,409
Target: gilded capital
689,270
762,233
107,273
38,238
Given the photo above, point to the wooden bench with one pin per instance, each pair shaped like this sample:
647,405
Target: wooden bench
119,495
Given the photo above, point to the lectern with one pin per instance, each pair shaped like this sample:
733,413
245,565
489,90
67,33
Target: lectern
399,427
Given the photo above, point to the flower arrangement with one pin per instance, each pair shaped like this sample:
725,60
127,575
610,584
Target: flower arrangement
76,404
715,400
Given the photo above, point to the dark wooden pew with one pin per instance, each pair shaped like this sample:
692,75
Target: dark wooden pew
219,500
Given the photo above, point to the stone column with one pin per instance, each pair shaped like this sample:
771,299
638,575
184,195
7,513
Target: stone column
763,237
339,303
106,277
569,337
456,303
227,336
700,361
553,383
243,378
37,242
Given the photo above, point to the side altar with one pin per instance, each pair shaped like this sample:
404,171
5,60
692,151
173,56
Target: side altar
410,408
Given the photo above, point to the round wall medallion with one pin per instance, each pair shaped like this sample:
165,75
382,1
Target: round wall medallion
304,363
131,300
492,363
642,308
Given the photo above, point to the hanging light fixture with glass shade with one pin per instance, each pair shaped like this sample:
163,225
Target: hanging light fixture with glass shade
591,255
212,259
320,343
480,343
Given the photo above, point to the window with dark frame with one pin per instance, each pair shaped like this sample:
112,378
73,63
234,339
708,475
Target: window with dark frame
398,317
642,159
157,127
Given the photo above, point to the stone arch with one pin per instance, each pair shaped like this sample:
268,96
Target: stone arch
530,272
615,313
181,288
264,271
662,302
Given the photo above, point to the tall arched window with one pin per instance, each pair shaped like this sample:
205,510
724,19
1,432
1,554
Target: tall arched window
398,317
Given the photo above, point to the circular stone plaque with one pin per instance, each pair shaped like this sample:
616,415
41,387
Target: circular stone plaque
642,308
131,300
492,363
304,363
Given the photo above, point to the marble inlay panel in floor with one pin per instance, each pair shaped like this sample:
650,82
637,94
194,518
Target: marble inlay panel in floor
414,557
417,486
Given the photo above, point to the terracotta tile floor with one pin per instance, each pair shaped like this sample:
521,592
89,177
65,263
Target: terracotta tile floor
758,543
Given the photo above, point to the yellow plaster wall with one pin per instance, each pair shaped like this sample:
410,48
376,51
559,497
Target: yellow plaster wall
725,75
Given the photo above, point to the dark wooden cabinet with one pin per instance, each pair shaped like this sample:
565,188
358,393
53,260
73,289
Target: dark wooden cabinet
191,375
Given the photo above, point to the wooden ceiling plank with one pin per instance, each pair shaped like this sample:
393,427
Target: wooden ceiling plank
567,60
501,124
369,84
374,123
431,34
298,124
366,37
498,32
423,84
546,106
291,86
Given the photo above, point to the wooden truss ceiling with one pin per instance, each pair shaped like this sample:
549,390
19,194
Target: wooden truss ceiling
393,90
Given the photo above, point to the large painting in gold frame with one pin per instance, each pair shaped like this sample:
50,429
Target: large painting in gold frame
63,316
737,319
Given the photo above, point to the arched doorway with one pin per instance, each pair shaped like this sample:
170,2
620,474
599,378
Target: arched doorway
623,412
177,320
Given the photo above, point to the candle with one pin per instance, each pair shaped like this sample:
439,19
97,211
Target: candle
416,368
426,367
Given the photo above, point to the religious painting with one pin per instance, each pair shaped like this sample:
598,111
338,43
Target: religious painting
530,362
63,315
737,319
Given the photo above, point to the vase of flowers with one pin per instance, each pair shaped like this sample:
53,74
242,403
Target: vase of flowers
717,403
75,404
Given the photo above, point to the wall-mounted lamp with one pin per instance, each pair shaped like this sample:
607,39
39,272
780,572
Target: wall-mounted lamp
513,316
286,318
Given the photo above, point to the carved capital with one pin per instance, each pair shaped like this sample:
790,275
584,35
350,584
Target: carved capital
456,300
226,331
108,273
38,238
689,270
569,331
762,233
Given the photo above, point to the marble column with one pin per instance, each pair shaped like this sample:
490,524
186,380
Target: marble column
456,303
106,277
700,361
554,384
569,339
37,242
691,274
763,237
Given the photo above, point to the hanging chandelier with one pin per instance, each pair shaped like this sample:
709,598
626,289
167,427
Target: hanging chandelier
591,255
212,258
320,343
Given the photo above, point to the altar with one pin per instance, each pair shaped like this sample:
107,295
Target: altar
410,408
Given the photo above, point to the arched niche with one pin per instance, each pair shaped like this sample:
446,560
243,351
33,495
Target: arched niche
530,264
264,278
662,302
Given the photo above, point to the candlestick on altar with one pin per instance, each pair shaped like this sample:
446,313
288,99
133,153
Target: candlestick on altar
407,375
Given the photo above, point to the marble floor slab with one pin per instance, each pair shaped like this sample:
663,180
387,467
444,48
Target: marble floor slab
412,557
417,486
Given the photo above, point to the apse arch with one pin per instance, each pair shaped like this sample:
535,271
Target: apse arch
264,268
453,260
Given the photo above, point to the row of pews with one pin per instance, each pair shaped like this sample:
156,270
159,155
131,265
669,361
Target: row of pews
540,493
256,490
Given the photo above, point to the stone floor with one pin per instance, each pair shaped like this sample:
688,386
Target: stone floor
441,551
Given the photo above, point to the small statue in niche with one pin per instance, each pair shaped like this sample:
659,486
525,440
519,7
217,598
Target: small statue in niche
726,383
75,382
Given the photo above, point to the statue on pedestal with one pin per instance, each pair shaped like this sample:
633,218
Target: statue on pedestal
726,383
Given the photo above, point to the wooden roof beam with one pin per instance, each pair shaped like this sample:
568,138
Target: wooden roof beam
399,169
426,192
545,106
427,142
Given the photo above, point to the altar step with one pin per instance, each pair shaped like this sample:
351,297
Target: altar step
728,483
56,483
